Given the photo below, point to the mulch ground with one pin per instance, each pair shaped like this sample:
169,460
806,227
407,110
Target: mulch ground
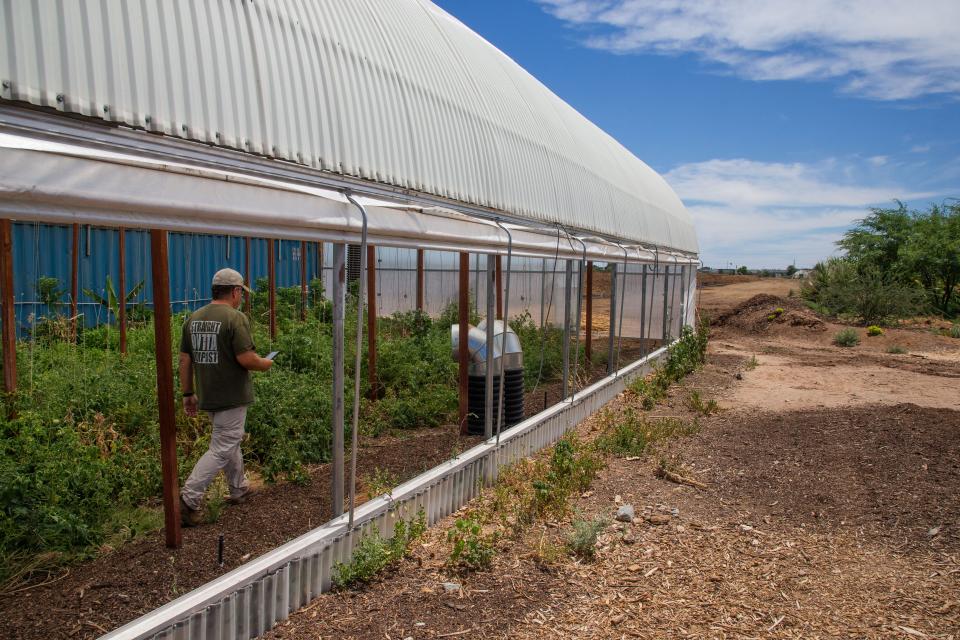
823,523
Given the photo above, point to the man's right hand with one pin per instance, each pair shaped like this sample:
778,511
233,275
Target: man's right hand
190,405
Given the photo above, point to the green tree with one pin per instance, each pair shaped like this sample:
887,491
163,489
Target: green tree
911,248
742,270
791,269
932,254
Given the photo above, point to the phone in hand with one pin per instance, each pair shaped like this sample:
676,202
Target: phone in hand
271,355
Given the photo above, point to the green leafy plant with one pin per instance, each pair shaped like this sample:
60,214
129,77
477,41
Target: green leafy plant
633,435
751,364
846,338
111,300
471,549
380,482
50,293
374,553
701,406
896,349
873,330
955,330
582,540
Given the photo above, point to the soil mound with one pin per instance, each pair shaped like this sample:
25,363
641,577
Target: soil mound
764,313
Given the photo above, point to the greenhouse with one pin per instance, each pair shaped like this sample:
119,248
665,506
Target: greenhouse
386,180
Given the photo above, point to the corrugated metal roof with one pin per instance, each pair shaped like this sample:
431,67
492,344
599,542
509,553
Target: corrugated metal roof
393,91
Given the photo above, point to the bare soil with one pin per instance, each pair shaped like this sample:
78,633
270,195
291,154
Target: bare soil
841,520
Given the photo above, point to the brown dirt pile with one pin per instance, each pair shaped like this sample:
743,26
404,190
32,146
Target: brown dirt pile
764,313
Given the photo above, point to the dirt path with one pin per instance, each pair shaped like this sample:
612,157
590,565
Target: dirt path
831,509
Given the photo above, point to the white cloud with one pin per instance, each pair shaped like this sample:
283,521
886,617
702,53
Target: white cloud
920,148
882,49
766,214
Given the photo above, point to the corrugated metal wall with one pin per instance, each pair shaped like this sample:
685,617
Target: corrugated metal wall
45,250
391,91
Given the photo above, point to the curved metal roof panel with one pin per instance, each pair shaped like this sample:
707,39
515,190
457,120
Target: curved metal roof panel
391,91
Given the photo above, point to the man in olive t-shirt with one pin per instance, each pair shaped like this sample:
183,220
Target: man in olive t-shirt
217,349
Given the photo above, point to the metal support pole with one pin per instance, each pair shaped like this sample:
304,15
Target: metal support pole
501,401
543,292
122,289
567,295
272,278
683,296
644,348
588,339
303,280
666,294
74,281
623,304
372,321
491,351
576,342
246,273
165,404
499,286
613,318
463,309
420,280
339,313
365,264
9,315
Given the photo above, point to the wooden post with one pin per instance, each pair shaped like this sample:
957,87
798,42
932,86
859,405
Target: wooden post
499,286
464,346
9,314
164,357
122,291
372,321
74,281
272,278
588,341
420,280
246,273
303,280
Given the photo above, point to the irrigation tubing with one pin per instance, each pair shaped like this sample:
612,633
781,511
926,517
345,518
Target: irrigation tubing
356,370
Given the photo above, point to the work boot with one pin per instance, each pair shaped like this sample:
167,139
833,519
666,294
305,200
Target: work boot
189,517
248,493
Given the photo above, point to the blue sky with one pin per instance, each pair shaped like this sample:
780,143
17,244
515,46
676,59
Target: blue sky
777,122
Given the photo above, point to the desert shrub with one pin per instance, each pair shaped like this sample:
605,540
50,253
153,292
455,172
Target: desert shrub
582,540
374,553
955,331
471,549
701,406
634,435
846,338
896,349
841,287
532,488
626,437
686,355
874,330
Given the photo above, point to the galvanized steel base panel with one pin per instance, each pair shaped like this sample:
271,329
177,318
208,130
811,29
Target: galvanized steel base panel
252,598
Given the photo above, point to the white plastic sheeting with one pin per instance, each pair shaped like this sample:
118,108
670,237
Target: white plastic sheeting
389,91
65,183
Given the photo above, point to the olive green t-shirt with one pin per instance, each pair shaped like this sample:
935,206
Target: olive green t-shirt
213,336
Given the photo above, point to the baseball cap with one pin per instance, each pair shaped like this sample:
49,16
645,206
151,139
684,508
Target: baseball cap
229,278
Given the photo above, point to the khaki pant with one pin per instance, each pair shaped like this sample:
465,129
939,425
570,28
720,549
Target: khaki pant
224,453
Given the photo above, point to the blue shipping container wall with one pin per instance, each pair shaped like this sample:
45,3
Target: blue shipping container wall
41,250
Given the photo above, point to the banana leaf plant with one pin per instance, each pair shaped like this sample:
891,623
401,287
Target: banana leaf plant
111,301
